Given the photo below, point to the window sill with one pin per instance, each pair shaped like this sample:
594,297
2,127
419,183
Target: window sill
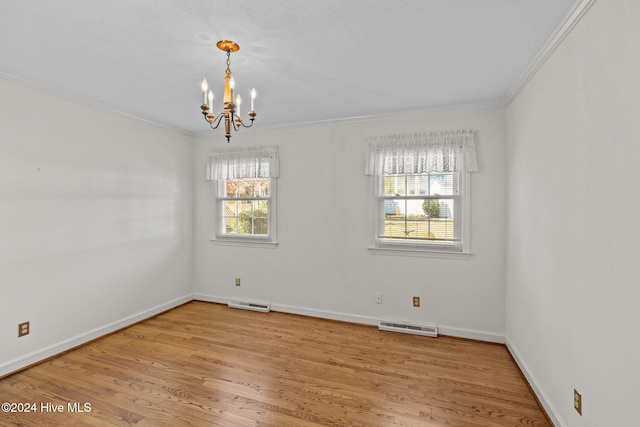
420,252
245,243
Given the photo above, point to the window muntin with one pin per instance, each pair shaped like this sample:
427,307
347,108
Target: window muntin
420,209
245,207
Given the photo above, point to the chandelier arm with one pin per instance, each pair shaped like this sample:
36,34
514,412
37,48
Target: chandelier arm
217,121
247,126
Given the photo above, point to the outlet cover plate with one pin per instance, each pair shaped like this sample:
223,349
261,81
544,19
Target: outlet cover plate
23,329
577,401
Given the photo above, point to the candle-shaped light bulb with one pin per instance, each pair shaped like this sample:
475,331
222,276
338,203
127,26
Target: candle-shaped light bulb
232,86
253,96
211,96
205,87
238,102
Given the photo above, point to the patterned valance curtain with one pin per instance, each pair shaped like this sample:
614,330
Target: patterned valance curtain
243,162
452,151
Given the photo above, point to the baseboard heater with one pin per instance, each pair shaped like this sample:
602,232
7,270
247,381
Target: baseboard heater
263,307
408,328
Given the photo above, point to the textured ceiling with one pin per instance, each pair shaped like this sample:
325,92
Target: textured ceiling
308,59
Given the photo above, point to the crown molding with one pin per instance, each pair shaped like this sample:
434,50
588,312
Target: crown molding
564,29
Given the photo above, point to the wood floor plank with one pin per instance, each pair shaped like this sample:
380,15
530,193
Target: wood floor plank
205,364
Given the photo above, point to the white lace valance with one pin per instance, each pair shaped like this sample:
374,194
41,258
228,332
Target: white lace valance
422,152
243,162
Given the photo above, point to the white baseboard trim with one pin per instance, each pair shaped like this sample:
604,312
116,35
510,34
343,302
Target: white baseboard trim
211,298
365,320
368,320
42,354
325,314
471,334
540,394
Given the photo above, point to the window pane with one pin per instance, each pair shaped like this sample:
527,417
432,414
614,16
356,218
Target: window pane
419,220
245,187
394,227
391,207
441,222
230,220
442,184
231,225
442,229
395,185
245,220
260,217
231,188
260,208
262,187
230,208
417,184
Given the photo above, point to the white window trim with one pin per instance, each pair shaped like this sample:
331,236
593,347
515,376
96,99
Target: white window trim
268,241
247,243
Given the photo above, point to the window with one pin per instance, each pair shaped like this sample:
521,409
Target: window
420,208
421,188
244,188
244,206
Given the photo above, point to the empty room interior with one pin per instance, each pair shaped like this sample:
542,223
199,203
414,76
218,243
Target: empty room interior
416,194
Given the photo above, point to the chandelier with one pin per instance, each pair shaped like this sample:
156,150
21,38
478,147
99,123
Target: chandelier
231,109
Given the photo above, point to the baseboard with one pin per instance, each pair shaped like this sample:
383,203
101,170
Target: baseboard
325,314
471,334
211,298
365,320
535,386
45,353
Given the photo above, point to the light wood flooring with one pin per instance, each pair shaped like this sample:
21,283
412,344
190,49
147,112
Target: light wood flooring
204,364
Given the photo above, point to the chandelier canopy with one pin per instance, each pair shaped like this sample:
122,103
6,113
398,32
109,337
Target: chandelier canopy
231,109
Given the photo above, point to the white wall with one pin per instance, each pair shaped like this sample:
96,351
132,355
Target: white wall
573,230
95,221
322,266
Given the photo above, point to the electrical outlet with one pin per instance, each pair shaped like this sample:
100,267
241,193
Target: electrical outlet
577,401
416,301
378,297
237,281
23,329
